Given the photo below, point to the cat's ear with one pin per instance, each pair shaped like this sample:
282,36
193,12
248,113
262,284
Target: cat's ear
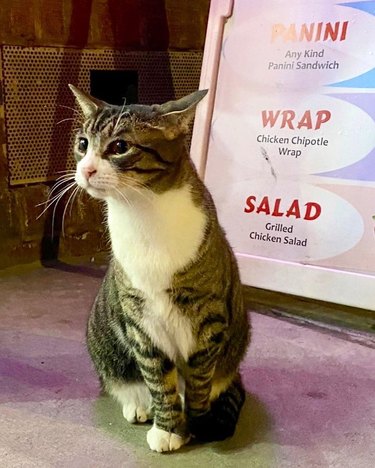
87,103
177,115
185,105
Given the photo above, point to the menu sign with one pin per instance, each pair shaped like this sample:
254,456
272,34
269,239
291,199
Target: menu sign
291,154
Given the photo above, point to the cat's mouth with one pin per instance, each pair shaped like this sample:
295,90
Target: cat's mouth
93,187
108,187
97,191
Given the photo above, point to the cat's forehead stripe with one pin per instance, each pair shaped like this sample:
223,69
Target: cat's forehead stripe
105,121
102,120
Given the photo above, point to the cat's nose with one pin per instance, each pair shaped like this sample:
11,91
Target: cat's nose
88,172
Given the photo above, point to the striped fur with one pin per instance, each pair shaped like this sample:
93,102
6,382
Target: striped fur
170,306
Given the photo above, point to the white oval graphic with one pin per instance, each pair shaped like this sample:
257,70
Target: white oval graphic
293,222
301,133
320,43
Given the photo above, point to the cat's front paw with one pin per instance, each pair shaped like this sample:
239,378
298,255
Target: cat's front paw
163,441
136,414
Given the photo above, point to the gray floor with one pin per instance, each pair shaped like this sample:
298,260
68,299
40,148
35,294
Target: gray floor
311,400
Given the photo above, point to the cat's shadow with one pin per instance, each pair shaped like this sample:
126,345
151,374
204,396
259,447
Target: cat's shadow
254,426
94,271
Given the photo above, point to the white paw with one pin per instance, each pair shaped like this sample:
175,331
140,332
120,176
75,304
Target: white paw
163,441
133,413
135,399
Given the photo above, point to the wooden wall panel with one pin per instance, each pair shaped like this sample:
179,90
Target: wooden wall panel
128,24
187,21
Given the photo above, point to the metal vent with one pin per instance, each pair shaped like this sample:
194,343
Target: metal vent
39,139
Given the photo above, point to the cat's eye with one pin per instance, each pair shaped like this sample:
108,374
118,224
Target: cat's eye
82,145
118,147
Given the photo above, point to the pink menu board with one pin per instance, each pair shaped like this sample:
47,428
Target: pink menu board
286,142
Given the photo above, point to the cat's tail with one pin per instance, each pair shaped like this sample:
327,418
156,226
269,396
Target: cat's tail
220,422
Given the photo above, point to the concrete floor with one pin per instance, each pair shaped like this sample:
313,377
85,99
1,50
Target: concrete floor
311,400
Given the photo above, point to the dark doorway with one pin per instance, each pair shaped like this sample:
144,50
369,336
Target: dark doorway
113,86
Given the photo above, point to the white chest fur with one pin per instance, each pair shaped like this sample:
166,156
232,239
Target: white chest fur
152,239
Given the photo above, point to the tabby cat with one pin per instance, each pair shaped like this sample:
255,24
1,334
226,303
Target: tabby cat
168,328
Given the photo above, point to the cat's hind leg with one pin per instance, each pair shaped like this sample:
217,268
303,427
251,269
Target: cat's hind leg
135,399
220,421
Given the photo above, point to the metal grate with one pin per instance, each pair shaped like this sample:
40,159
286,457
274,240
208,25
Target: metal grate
35,85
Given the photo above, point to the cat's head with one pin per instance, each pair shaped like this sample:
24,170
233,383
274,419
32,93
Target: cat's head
122,149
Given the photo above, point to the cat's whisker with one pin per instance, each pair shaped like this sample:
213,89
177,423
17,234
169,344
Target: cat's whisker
56,199
64,191
64,171
71,197
146,193
78,193
61,182
66,176
54,188
75,193
65,120
132,187
71,108
144,187
137,183
50,197
51,201
123,196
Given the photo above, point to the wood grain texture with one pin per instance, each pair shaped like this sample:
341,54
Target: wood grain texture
129,24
